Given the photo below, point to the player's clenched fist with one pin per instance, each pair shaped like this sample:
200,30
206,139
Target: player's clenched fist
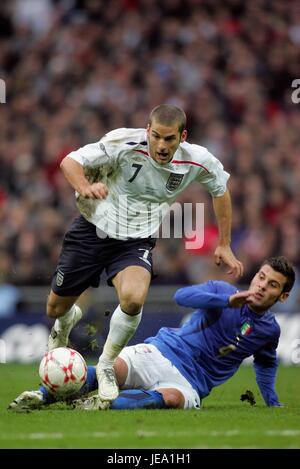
98,190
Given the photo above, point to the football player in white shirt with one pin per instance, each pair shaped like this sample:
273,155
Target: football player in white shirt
122,182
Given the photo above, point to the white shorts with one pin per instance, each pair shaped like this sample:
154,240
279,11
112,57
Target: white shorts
149,369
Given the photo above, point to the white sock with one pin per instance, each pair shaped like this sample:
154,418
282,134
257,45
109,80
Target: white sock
121,328
64,321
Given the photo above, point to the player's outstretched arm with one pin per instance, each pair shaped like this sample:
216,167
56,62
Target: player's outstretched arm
73,172
223,252
200,296
265,378
265,365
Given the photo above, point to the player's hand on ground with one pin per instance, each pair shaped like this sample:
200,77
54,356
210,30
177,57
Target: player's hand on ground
239,299
224,254
98,190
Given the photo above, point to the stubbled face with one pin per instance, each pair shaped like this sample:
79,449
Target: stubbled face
164,141
267,286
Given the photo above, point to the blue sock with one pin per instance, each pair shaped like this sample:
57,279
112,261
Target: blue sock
48,398
90,384
138,399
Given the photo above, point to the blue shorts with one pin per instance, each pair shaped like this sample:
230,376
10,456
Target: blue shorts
84,256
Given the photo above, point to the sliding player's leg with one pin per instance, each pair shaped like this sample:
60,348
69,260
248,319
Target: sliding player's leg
147,381
127,399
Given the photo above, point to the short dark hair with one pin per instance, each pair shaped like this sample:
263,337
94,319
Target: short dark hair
285,267
168,114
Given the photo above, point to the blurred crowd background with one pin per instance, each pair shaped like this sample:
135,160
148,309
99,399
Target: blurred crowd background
75,69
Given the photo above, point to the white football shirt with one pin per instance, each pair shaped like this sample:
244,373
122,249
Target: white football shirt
140,191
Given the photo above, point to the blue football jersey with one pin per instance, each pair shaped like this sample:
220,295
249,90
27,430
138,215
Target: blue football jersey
210,347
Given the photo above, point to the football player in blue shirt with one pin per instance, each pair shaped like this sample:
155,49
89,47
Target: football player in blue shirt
179,367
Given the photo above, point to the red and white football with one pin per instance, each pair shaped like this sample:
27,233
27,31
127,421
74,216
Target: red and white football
63,371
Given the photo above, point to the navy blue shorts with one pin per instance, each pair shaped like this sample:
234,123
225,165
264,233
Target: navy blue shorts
84,256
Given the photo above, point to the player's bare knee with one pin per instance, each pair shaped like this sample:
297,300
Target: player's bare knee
121,371
55,310
173,398
52,311
131,304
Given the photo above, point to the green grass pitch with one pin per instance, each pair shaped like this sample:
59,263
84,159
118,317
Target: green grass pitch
223,422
